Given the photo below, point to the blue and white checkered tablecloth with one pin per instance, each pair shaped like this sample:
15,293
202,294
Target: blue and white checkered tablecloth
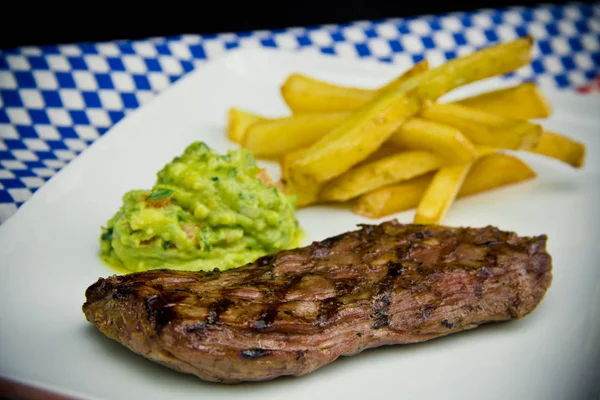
56,100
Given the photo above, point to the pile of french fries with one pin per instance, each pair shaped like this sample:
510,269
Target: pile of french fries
397,148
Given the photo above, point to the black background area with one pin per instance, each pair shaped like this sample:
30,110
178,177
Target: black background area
28,23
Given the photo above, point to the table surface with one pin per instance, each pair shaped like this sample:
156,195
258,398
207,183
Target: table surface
57,100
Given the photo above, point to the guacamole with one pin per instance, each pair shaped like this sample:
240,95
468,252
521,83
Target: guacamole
205,211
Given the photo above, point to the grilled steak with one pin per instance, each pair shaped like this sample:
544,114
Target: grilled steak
293,312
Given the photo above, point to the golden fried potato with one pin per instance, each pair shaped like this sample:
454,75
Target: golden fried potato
562,148
238,122
441,193
485,63
385,171
494,171
305,194
392,199
279,136
524,101
304,94
355,139
487,173
484,128
447,141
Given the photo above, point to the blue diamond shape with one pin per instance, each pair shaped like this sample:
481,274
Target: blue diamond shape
12,183
304,40
126,48
51,98
370,33
116,116
56,145
129,100
77,64
568,63
491,35
575,44
39,116
396,46
92,100
67,132
20,173
26,131
545,47
38,63
5,197
187,66
152,64
88,48
50,49
459,38
115,64
537,66
337,37
79,117
6,155
197,51
562,80
163,49
552,29
428,42
11,98
104,81
435,25
141,82
268,42
362,49
15,144
65,80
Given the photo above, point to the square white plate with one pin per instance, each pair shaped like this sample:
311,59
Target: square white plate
48,257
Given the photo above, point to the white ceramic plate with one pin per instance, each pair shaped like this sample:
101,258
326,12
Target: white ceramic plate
48,257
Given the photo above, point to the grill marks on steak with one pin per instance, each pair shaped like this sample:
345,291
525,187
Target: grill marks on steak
293,312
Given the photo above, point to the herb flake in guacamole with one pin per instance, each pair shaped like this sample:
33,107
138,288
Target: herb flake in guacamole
206,211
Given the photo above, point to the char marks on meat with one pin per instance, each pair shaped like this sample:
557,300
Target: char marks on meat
296,311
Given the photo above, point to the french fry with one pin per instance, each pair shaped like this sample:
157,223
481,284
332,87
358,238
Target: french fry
305,194
279,136
484,128
447,141
524,101
356,138
441,193
238,122
304,94
393,198
487,173
386,171
494,171
562,148
485,63
371,125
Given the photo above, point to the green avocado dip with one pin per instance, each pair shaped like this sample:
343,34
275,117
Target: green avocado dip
205,211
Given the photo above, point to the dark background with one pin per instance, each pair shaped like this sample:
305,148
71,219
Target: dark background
29,24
